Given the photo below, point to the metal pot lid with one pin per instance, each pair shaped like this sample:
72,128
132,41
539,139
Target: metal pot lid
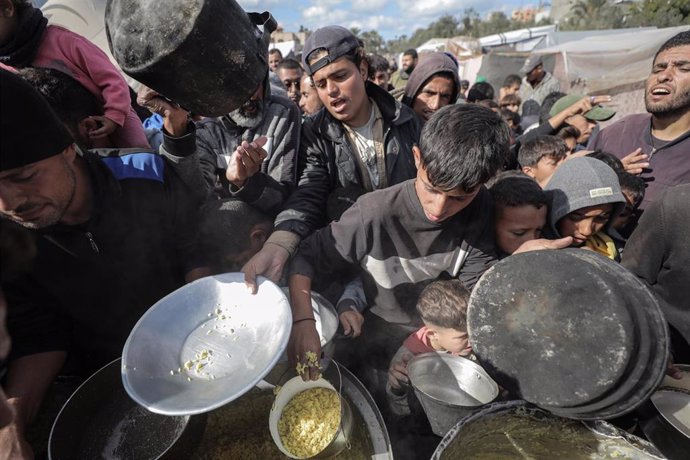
205,344
674,407
562,333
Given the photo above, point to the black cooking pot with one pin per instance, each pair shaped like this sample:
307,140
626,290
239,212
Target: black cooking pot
209,56
570,331
101,421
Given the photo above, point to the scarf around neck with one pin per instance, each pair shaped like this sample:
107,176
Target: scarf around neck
21,49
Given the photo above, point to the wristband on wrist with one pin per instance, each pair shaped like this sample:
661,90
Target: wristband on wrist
302,319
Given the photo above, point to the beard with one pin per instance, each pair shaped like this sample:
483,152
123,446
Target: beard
250,115
674,105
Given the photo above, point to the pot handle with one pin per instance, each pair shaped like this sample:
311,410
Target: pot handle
268,23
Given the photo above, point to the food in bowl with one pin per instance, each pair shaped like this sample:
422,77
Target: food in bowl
310,421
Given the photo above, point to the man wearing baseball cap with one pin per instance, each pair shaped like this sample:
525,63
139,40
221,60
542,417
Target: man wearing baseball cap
537,83
114,232
363,138
585,120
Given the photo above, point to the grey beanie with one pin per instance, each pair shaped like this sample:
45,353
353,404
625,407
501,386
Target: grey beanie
579,183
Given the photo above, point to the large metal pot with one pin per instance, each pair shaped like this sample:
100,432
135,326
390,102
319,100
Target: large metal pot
101,421
665,418
516,429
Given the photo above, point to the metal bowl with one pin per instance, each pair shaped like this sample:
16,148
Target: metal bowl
243,335
449,388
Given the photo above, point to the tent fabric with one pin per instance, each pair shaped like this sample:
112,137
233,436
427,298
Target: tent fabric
599,62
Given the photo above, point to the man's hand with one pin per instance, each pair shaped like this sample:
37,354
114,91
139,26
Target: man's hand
13,446
269,262
672,371
174,117
635,162
352,321
397,373
542,243
246,161
304,338
586,104
106,127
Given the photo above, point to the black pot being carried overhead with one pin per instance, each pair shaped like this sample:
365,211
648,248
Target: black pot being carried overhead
101,421
209,56
569,331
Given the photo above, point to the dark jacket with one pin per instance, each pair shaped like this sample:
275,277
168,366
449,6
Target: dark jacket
217,139
669,164
658,252
327,161
89,284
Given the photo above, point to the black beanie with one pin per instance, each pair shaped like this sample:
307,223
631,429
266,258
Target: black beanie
29,129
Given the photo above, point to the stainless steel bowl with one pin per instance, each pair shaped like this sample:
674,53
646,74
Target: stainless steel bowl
449,388
231,338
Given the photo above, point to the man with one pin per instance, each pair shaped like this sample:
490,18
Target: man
250,153
290,73
434,85
409,62
537,82
364,138
274,57
379,71
660,139
114,233
309,101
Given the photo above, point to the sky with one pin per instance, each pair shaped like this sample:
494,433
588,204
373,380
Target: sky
391,18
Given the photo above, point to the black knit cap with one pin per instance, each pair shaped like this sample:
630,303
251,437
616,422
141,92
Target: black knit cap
29,129
336,40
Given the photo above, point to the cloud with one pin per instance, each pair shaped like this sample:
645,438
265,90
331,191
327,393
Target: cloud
374,23
369,5
322,15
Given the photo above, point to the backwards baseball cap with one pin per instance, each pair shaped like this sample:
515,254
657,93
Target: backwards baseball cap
29,129
530,63
596,113
337,41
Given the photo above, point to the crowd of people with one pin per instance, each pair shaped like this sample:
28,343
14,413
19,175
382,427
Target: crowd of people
389,192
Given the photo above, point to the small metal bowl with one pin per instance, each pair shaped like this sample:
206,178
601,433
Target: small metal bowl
288,391
245,335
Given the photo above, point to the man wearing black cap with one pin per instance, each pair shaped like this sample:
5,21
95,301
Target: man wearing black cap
114,233
364,138
537,82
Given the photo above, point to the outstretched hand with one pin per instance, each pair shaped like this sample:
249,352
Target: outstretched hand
543,243
246,161
174,117
269,262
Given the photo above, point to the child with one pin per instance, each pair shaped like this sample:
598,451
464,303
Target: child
633,188
520,208
27,41
585,197
231,232
540,156
442,305
511,102
405,236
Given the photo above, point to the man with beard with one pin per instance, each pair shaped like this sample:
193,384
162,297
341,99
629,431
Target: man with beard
660,139
250,154
115,232
409,62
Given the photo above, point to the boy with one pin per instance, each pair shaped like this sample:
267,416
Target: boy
442,306
585,197
404,237
539,157
520,208
231,232
633,189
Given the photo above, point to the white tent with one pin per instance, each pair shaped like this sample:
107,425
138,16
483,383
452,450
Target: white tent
603,61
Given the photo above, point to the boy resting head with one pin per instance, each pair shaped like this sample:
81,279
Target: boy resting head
442,306
520,208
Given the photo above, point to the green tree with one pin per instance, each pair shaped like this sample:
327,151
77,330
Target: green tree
373,42
660,13
593,15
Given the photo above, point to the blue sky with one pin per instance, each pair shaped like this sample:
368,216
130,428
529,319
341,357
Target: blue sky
390,18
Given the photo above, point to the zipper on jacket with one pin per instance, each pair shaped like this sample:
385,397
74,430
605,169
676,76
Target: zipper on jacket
94,246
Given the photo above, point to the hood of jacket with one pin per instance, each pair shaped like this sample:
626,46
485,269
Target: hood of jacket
579,183
433,64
